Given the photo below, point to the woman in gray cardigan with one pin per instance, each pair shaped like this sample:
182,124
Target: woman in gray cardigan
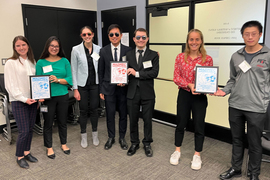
84,66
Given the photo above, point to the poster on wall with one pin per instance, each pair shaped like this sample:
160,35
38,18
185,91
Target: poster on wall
223,22
125,39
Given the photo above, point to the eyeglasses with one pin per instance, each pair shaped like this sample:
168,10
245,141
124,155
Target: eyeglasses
84,34
139,37
116,34
250,34
55,47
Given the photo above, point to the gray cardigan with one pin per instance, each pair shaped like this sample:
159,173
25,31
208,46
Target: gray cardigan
249,91
79,65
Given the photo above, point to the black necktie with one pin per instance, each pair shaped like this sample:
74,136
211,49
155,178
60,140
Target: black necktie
115,54
140,58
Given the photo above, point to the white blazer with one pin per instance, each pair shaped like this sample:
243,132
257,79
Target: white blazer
79,65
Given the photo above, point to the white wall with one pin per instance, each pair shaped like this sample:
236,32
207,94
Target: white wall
12,21
115,4
267,32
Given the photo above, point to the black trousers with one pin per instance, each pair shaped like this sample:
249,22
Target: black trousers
187,103
89,103
58,105
255,124
119,100
25,116
147,114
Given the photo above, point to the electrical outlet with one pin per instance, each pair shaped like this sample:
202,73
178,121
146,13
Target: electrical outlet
4,61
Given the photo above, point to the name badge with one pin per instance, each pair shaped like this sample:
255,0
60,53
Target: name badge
47,69
147,64
196,66
244,66
43,108
124,58
95,56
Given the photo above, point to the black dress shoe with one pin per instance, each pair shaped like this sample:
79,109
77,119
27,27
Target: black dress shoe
52,156
148,150
66,151
123,143
230,173
22,163
132,150
254,177
30,158
109,143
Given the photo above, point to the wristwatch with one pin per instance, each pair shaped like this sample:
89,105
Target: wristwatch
58,80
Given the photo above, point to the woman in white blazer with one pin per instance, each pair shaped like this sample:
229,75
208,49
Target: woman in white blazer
84,66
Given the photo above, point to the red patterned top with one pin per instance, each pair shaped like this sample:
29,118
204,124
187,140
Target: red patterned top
184,73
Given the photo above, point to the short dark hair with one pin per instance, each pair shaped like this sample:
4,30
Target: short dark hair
86,27
46,53
112,26
252,24
142,30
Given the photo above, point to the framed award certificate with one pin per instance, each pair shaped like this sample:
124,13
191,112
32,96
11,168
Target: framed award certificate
206,79
40,87
119,72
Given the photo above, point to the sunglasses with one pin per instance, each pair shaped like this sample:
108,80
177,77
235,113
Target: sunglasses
84,34
116,34
139,37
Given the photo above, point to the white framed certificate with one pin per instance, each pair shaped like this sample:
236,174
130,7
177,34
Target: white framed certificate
119,72
206,79
40,87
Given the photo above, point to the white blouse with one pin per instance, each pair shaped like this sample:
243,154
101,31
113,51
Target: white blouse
17,81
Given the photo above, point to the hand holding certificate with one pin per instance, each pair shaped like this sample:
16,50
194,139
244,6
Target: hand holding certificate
206,79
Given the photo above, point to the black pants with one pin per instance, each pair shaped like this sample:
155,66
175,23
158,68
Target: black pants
25,116
111,101
58,105
89,103
197,104
255,124
147,113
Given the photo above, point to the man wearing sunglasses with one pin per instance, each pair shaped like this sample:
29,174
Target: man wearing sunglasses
114,95
143,68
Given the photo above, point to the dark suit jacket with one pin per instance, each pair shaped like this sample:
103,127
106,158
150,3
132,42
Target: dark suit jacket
147,75
104,69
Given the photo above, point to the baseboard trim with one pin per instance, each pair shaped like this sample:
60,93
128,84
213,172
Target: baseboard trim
213,131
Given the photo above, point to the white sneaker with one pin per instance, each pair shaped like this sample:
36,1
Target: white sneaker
84,143
95,138
196,162
175,158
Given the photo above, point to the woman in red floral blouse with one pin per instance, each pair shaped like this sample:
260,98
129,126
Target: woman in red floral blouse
188,100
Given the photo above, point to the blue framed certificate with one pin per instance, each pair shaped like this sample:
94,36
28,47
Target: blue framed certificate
40,87
206,79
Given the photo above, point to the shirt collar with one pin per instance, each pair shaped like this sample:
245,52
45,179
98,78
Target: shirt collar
118,47
144,49
200,56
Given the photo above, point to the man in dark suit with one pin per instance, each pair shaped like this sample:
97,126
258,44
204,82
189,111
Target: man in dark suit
143,68
114,95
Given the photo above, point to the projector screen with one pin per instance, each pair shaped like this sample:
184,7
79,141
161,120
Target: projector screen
221,21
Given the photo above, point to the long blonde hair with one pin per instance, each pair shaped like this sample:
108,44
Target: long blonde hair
201,49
